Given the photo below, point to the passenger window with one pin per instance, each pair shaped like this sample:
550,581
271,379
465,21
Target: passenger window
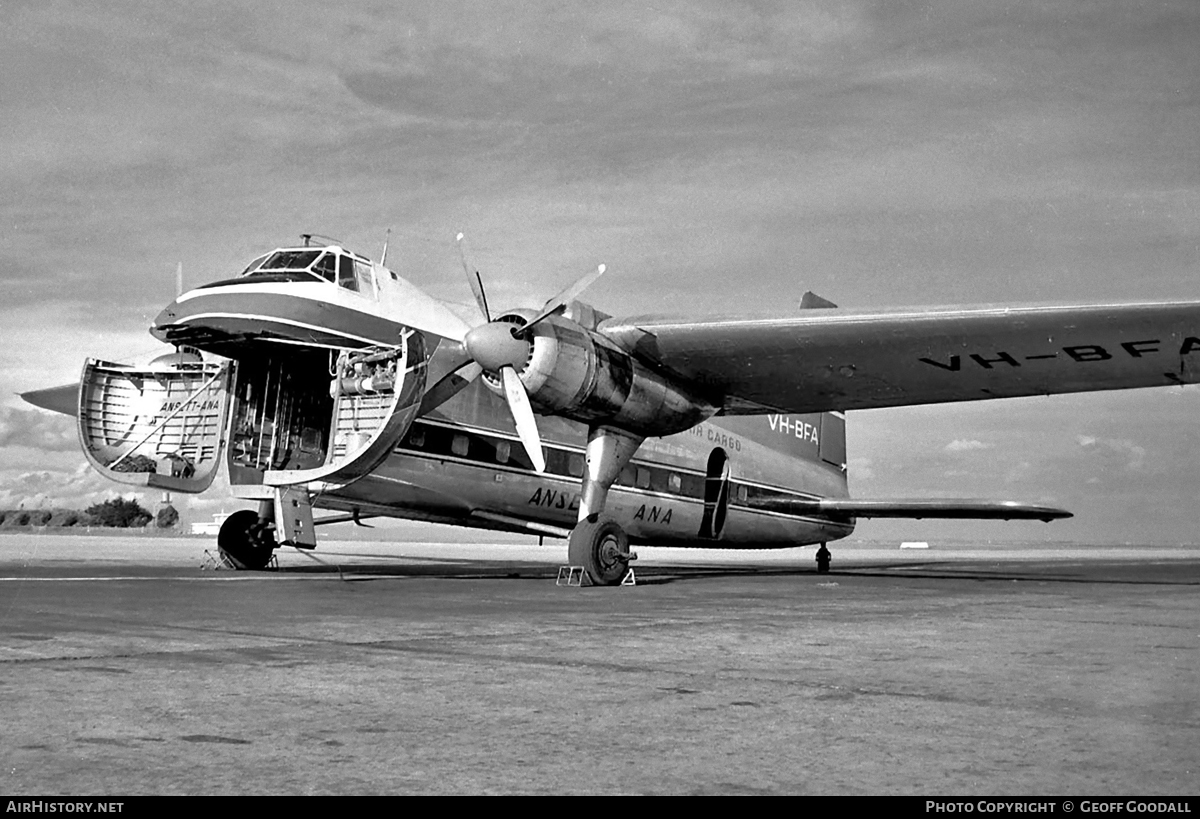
674,482
459,445
417,438
503,452
741,493
627,476
643,478
575,466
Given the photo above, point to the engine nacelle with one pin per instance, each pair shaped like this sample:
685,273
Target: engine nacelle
579,374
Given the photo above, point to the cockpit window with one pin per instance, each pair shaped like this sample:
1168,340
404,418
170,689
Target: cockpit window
366,281
346,273
331,265
254,265
326,268
290,260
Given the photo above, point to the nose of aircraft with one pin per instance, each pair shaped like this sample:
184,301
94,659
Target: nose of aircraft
163,321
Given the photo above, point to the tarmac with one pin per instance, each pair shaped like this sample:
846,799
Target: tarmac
130,665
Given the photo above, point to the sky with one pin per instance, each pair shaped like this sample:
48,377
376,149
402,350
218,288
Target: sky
715,156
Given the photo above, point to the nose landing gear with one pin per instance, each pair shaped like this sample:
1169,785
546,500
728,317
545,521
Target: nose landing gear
247,540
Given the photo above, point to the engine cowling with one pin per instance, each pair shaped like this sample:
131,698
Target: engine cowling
579,374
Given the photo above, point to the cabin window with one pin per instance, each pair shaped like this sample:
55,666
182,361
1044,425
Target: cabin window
674,482
628,476
503,452
417,438
575,465
459,445
643,478
741,493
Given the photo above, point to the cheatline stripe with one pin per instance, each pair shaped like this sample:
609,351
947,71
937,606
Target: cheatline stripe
196,317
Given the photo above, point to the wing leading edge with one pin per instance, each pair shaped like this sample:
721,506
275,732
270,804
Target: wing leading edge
837,359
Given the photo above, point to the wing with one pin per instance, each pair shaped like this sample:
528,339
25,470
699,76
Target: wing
923,508
837,359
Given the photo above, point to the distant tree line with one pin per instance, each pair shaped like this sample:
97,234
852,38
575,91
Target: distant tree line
118,513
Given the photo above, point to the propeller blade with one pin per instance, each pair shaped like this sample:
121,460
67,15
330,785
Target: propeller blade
451,385
522,412
565,297
474,280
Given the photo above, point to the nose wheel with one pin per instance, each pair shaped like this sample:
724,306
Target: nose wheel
601,547
246,540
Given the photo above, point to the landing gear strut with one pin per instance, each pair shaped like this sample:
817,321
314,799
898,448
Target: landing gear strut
247,540
599,544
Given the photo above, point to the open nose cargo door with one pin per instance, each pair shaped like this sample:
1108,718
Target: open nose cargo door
292,416
375,393
158,426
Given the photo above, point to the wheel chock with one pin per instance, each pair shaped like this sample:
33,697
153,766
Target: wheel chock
629,579
575,576
216,562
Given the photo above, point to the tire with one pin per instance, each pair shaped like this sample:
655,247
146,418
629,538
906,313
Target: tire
601,547
244,541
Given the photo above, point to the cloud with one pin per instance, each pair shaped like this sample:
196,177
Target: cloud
45,488
960,445
1115,450
35,428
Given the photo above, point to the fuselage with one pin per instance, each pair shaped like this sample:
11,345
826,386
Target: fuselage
463,462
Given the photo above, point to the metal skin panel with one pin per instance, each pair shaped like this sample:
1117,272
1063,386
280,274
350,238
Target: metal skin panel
834,359
647,516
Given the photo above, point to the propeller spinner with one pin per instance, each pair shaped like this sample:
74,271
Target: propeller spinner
502,347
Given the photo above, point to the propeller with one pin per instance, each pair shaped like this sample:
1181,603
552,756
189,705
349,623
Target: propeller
503,348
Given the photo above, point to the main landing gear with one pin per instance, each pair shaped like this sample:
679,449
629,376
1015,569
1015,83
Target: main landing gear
247,538
601,547
598,544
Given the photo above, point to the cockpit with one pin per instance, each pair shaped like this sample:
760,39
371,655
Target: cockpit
332,264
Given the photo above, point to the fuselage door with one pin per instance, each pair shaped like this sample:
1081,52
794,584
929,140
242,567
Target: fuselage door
716,495
376,392
160,426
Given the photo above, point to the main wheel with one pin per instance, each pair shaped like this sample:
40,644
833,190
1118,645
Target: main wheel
602,548
245,541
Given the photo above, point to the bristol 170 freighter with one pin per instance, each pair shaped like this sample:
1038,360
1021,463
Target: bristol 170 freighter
321,379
